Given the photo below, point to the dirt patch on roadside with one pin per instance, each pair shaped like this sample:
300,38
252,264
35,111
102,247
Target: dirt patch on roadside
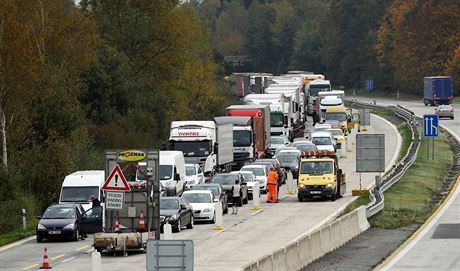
363,252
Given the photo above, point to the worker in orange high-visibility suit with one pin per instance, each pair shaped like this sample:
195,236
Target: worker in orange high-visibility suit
272,182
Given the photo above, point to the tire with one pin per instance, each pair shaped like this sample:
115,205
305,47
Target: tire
300,198
77,235
190,224
178,228
39,239
213,221
98,249
334,196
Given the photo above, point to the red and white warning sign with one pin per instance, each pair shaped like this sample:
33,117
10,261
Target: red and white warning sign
116,181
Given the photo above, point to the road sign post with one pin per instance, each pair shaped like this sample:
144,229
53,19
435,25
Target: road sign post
430,129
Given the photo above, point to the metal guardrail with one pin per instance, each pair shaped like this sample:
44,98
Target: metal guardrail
394,175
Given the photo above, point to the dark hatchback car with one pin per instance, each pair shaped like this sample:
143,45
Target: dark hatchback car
227,180
68,221
177,212
217,191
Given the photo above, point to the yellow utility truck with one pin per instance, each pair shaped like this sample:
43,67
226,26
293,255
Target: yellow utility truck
320,176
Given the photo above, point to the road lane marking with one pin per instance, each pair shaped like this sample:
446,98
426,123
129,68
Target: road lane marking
81,248
66,260
258,212
31,266
58,256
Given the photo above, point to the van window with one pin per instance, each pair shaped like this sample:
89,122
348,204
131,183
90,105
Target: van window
78,193
166,172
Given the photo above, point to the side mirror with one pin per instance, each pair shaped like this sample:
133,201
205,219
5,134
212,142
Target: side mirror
183,207
176,177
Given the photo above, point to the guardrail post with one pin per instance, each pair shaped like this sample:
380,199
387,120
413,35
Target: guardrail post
24,221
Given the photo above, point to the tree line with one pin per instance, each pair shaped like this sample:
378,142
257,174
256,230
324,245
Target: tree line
75,80
394,42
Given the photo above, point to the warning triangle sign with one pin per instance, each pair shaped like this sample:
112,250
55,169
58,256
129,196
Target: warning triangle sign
116,181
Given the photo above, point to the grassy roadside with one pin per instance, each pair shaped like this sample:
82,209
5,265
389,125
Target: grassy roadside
409,201
406,135
18,234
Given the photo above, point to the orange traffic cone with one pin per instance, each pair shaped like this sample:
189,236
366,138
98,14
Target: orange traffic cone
117,225
141,221
45,264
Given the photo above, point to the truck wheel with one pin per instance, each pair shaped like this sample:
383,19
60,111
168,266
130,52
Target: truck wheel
300,198
333,196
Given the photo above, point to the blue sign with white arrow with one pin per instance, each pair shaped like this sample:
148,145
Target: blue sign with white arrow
369,85
430,125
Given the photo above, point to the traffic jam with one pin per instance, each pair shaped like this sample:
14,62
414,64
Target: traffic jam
215,167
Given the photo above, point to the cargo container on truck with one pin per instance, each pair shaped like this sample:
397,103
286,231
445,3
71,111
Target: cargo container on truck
280,123
244,139
292,92
260,115
438,90
204,143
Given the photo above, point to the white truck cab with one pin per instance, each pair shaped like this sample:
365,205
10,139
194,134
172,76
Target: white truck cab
81,185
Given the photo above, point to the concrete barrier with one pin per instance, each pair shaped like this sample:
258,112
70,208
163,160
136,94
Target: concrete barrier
309,247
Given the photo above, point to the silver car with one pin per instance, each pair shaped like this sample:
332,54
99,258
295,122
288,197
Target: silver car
445,111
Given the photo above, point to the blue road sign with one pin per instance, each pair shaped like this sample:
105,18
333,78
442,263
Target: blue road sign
369,85
430,125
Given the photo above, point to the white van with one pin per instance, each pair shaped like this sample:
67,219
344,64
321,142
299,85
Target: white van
172,172
81,185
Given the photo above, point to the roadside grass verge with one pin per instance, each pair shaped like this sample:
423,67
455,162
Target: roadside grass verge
409,201
18,234
361,200
406,135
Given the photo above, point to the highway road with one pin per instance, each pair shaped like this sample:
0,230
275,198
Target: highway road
436,247
246,237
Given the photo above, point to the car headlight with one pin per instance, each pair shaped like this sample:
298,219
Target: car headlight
329,185
69,226
261,181
173,217
41,227
207,210
301,185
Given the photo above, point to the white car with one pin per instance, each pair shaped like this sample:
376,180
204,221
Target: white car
276,142
193,175
250,180
324,141
260,171
202,201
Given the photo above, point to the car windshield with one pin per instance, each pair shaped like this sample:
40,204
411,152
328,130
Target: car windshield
242,138
213,189
316,167
165,172
340,116
247,177
193,148
306,147
276,119
288,159
169,204
255,170
336,132
59,213
78,193
190,170
139,175
225,179
277,140
198,198
314,89
322,141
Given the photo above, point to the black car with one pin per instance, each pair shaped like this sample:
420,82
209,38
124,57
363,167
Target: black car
217,191
227,180
290,162
177,212
68,221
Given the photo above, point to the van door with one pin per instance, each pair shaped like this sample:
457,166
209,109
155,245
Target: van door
91,220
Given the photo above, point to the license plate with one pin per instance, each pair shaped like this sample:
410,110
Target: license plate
315,192
54,232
